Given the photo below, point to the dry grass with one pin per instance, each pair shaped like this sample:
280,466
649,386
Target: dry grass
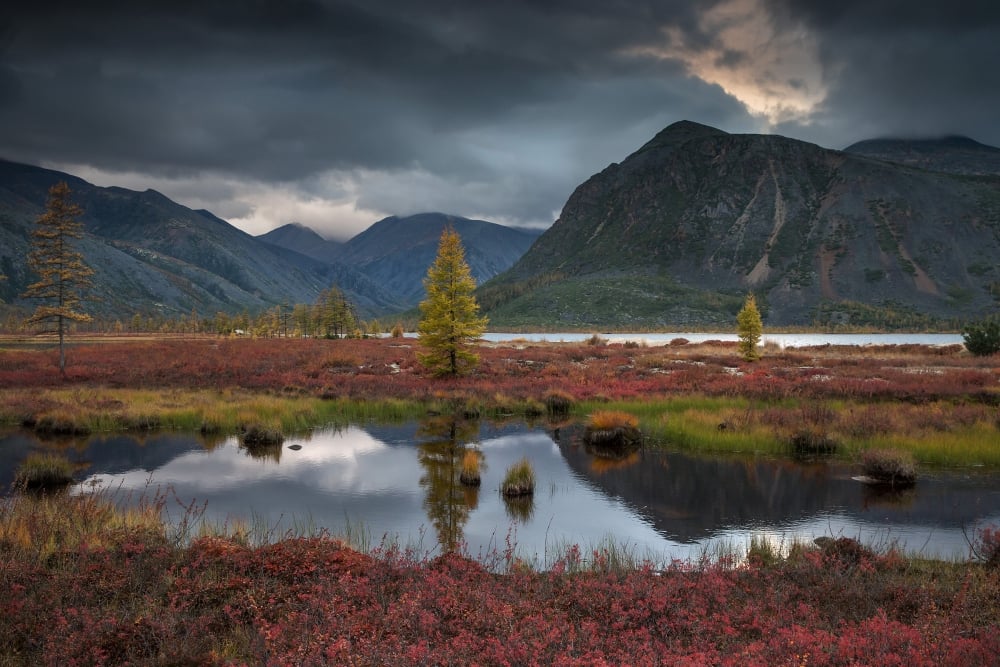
471,462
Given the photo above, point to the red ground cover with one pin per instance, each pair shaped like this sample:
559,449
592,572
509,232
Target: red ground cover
388,368
314,602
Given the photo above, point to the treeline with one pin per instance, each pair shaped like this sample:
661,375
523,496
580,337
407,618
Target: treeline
332,315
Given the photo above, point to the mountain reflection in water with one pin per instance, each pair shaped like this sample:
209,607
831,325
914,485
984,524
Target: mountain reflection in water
402,482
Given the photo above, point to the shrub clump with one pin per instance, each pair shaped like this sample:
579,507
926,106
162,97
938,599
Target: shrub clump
982,338
889,466
44,471
519,480
612,432
812,441
470,475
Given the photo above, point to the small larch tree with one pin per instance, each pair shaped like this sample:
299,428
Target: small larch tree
750,328
63,273
450,322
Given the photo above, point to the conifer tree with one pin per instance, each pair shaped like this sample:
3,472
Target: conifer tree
750,329
450,321
62,271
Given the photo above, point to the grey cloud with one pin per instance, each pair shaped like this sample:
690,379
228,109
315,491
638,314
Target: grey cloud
904,69
476,108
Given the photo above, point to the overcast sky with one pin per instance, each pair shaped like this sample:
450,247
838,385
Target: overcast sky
337,113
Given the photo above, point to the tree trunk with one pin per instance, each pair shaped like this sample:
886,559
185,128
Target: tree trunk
62,348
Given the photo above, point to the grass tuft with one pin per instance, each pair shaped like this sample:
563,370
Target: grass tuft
612,433
519,480
889,466
44,471
470,475
558,403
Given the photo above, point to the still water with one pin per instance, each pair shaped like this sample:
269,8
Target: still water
400,482
781,339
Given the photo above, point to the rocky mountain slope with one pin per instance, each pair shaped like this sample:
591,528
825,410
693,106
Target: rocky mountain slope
678,232
396,252
954,155
154,256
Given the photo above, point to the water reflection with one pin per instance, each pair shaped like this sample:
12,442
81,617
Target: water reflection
394,481
448,501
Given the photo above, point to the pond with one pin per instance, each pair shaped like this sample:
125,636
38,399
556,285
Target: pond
400,482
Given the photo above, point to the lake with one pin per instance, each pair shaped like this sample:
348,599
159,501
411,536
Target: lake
399,482
781,339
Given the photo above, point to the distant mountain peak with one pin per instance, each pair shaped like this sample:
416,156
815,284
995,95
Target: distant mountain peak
681,132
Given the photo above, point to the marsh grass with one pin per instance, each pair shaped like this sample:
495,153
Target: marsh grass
44,472
889,466
38,526
471,462
558,403
612,433
519,479
102,410
935,433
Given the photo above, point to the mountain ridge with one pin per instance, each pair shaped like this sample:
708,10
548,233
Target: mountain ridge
155,256
677,232
395,252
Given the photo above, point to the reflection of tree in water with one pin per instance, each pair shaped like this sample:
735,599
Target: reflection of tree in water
448,501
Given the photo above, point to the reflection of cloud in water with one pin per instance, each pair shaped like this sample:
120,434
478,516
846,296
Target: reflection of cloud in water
344,460
371,477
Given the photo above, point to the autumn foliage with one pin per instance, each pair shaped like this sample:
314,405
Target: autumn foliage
314,601
389,368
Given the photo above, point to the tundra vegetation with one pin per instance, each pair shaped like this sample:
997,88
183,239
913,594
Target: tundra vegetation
86,582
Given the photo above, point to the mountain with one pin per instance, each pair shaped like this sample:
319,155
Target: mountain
303,240
954,155
396,252
154,256
678,232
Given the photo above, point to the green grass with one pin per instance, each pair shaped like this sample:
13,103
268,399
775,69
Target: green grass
739,425
84,411
44,471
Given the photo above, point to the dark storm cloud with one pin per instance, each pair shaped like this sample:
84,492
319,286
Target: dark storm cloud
279,91
476,108
903,68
